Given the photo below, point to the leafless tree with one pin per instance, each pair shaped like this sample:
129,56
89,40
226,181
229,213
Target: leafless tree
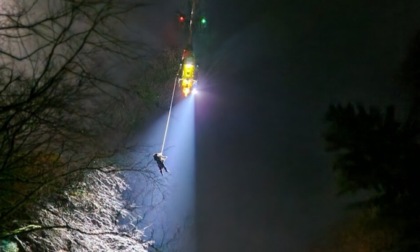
89,216
56,105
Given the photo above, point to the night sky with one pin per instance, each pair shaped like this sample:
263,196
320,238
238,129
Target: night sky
269,70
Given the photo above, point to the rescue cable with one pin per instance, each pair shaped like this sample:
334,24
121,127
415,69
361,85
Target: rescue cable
169,115
176,79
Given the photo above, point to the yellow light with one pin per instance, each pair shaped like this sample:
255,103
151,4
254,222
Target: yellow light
188,71
186,91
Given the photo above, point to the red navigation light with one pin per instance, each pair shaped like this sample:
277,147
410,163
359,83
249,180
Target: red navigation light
181,19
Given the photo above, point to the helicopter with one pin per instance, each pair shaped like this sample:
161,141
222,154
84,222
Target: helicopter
196,21
189,69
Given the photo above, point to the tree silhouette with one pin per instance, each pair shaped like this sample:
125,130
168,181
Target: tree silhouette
55,190
374,152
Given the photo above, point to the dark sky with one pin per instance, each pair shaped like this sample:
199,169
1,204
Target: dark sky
270,69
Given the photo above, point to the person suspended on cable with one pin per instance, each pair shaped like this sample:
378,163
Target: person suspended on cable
159,158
